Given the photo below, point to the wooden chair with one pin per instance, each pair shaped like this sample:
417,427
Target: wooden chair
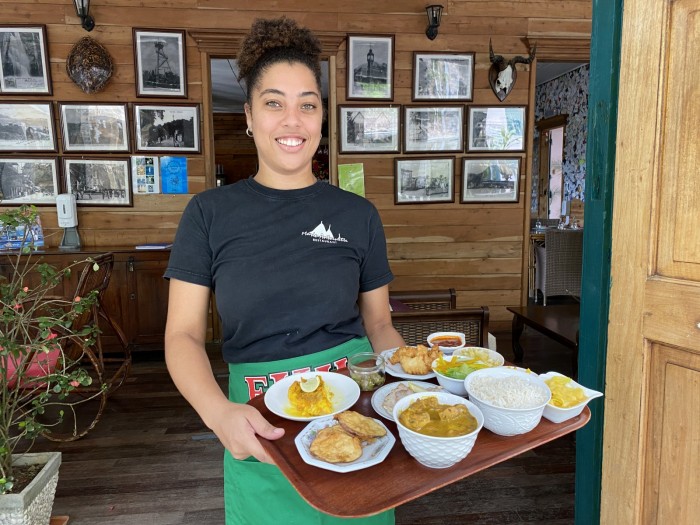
416,326
108,371
426,299
558,264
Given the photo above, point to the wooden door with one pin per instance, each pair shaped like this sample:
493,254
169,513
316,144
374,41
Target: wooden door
651,447
148,297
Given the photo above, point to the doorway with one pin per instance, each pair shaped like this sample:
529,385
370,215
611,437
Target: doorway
551,176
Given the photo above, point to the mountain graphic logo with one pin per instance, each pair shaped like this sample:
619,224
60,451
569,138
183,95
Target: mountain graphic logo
322,234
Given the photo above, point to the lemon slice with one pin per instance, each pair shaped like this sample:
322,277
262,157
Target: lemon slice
311,384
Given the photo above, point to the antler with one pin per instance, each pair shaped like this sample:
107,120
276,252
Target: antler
523,60
495,59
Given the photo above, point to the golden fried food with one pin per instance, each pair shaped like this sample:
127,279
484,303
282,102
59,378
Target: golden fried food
334,445
415,360
310,404
363,427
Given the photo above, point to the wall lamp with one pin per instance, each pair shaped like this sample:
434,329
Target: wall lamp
434,13
82,9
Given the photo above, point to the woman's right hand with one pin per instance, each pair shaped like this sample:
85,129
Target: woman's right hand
238,427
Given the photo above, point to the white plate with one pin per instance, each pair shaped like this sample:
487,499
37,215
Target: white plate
380,395
345,394
397,371
372,453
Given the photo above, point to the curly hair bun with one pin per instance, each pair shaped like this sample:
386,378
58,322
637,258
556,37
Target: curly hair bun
266,35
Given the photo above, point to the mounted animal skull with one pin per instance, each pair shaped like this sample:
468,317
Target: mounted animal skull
502,74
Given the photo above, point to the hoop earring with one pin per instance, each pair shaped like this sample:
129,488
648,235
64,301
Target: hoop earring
249,132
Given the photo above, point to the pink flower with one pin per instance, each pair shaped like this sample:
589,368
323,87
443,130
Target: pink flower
77,299
52,335
17,306
74,383
25,289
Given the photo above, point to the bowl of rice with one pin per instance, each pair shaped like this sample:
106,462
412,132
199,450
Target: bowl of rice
512,401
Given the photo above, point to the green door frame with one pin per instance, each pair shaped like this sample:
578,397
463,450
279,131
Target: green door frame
597,242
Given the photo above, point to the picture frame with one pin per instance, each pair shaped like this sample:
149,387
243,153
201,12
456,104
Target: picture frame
160,60
424,180
145,174
433,129
24,60
487,179
443,76
29,180
499,128
27,127
98,182
370,67
369,129
167,128
97,127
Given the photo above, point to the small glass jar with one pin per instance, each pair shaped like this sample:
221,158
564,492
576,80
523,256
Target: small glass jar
368,370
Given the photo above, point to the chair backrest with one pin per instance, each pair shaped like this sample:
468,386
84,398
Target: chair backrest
427,299
416,326
98,280
563,254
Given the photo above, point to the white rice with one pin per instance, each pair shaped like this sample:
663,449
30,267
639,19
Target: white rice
507,392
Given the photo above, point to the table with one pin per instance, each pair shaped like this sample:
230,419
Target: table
559,322
399,478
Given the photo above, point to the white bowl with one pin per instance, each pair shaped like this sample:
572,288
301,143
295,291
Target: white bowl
454,386
447,349
507,421
558,414
437,452
473,351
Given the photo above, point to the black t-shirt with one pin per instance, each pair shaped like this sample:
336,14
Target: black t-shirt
286,266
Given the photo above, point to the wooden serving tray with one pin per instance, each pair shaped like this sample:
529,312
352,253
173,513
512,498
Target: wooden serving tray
399,478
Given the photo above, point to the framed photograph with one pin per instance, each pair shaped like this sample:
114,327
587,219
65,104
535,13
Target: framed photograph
94,127
443,76
145,175
24,61
424,180
500,128
369,129
28,181
160,62
98,182
25,126
370,67
173,128
431,129
490,179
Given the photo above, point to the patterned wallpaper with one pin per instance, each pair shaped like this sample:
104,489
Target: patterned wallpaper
567,94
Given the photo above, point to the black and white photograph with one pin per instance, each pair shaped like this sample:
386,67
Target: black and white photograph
98,182
166,128
500,128
160,62
490,180
24,61
28,181
26,127
424,181
370,68
369,129
433,129
94,127
443,76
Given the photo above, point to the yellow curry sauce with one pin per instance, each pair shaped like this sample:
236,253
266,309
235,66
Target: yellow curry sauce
310,404
429,417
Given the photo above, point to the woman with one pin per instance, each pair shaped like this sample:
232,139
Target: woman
299,268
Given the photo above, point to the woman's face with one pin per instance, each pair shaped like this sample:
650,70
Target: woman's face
285,116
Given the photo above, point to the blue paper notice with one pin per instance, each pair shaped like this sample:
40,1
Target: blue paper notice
173,174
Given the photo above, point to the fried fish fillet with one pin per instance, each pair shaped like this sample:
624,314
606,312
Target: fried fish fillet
365,428
334,445
415,360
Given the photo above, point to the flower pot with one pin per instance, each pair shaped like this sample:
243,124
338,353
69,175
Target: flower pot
33,505
42,364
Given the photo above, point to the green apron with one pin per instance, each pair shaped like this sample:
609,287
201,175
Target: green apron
258,493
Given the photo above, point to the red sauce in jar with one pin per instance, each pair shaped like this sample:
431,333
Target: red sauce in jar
448,341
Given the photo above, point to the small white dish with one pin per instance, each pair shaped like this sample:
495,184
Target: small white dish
372,453
558,414
397,370
380,395
447,349
345,394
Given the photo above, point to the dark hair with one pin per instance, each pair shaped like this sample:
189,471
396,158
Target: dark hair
273,41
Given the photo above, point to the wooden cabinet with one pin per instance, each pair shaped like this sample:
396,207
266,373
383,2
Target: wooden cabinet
137,295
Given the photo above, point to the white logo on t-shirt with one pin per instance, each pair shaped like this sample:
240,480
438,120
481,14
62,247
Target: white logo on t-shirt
322,234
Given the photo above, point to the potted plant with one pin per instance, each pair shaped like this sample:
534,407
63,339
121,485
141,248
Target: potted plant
43,338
